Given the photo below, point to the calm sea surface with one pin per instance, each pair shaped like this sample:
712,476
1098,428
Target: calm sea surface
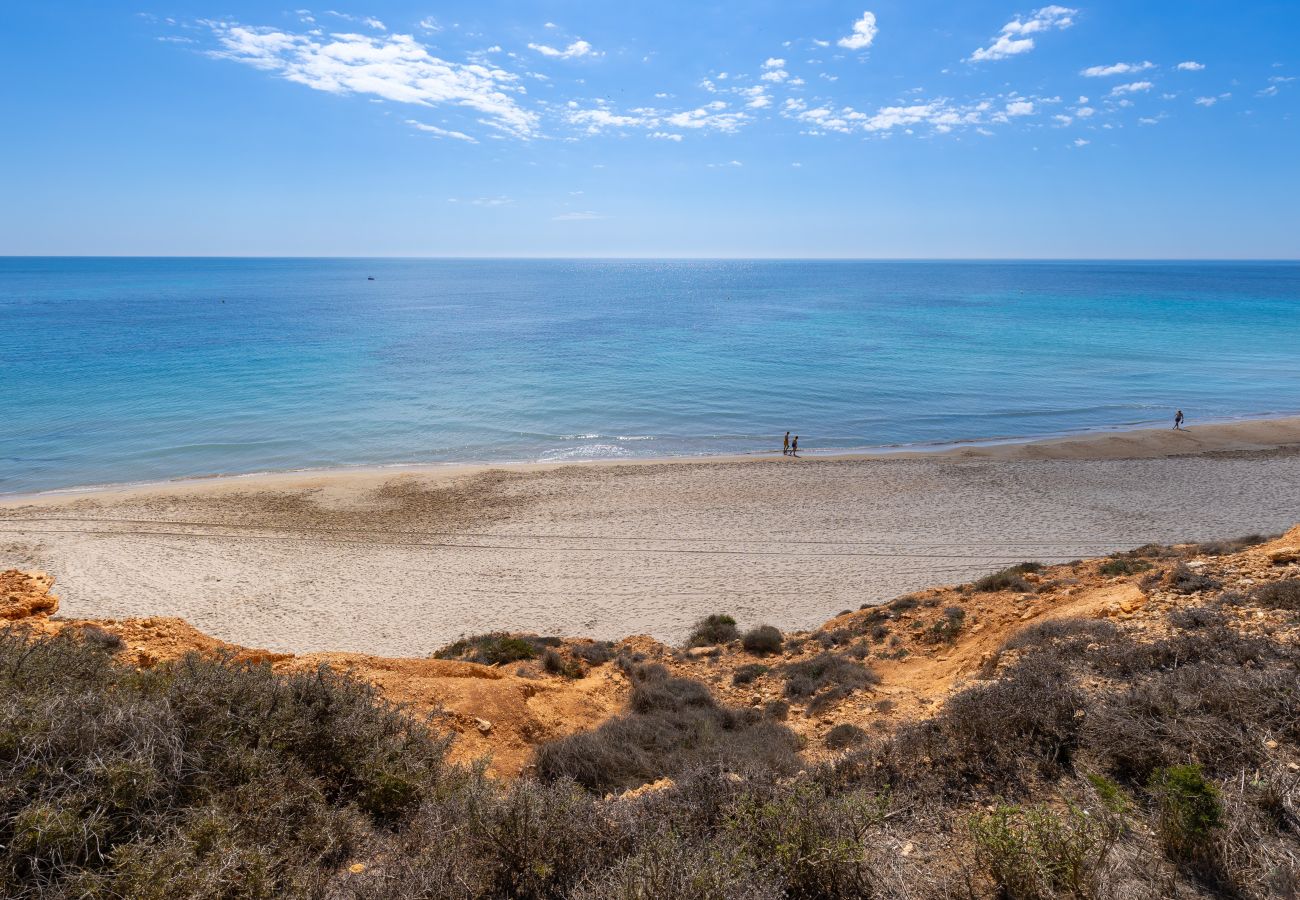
118,370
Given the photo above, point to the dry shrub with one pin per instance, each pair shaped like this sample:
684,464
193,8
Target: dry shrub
762,640
673,725
1283,594
713,630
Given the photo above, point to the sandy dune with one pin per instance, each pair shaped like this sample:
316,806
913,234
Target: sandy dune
399,562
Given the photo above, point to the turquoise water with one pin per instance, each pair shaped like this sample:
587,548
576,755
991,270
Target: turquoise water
118,370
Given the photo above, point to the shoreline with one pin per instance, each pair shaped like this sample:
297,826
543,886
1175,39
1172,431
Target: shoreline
400,561
1256,434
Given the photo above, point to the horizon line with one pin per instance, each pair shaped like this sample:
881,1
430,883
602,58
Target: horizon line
663,258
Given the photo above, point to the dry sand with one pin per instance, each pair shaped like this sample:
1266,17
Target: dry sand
399,562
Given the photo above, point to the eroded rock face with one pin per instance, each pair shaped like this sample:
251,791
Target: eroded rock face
24,595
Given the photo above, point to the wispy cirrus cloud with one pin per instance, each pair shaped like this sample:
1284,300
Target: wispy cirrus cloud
441,132
1016,36
389,67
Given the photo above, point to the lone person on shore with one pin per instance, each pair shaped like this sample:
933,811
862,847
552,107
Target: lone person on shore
1178,420
794,446
785,449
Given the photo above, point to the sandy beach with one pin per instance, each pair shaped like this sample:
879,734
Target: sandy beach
398,562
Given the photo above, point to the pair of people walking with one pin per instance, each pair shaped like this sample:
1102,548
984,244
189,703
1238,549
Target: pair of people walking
791,448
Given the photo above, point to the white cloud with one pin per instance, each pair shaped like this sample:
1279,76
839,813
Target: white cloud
1190,66
1015,39
1081,142
1085,112
1116,69
577,217
864,32
1133,87
391,67
429,23
710,117
550,25
1206,101
757,96
733,164
576,50
774,70
666,136
1020,108
441,132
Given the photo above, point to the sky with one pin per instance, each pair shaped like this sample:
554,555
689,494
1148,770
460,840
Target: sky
895,129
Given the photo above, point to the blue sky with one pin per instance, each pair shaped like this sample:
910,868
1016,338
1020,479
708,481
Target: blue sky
796,129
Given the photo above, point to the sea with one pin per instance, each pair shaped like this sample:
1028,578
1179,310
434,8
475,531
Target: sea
133,370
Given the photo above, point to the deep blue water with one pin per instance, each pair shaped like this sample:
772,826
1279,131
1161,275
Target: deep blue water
115,370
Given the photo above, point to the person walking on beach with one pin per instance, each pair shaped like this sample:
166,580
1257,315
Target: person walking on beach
1178,420
794,446
785,448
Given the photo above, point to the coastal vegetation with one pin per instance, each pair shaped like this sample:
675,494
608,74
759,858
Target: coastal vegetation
1121,751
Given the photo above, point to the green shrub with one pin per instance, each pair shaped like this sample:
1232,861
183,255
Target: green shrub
762,640
713,630
495,649
1009,579
946,629
556,664
1036,852
1188,810
1124,566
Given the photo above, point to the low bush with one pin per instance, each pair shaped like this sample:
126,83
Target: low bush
1009,579
673,725
826,671
993,738
845,735
946,629
713,630
1123,566
747,674
1191,618
1037,852
203,777
1183,579
496,648
556,664
595,653
1188,810
1232,545
762,640
1283,594
1069,637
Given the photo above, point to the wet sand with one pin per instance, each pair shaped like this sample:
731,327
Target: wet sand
398,562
